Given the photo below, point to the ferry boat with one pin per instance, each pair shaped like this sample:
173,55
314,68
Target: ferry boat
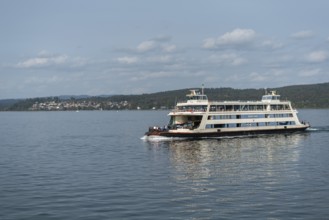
200,118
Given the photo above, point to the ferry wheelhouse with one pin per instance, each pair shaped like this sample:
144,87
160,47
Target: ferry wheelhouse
200,118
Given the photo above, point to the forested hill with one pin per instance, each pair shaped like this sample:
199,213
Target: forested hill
301,96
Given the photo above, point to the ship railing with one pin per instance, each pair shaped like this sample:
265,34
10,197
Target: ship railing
202,101
232,111
190,110
251,110
157,128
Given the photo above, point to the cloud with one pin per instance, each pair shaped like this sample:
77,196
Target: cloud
303,34
271,44
155,64
159,59
34,62
146,46
256,77
209,43
162,38
145,60
43,80
317,56
236,37
127,60
151,75
231,59
310,72
42,61
159,43
266,77
169,48
45,59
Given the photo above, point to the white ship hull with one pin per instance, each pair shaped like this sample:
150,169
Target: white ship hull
200,118
186,133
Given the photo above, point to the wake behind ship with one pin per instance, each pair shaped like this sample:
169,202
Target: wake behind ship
200,118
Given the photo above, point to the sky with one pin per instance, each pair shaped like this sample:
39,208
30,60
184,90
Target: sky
104,47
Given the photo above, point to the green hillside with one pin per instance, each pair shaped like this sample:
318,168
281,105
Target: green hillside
301,96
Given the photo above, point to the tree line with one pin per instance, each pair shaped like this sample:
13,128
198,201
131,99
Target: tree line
301,96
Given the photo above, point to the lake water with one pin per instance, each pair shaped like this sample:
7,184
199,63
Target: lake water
94,165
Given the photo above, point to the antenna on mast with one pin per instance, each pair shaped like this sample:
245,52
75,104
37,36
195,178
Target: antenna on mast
202,89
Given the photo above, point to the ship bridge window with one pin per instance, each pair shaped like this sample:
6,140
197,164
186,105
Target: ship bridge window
270,97
275,97
266,97
198,97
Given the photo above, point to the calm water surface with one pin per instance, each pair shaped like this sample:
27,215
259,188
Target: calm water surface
94,165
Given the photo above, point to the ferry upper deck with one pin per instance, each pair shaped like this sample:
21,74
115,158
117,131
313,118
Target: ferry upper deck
198,102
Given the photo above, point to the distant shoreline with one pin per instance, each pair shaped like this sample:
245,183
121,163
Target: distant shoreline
312,96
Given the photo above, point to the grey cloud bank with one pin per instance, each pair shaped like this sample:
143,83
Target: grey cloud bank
124,47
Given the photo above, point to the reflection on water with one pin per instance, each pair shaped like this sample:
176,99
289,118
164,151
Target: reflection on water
91,165
201,157
235,170
205,158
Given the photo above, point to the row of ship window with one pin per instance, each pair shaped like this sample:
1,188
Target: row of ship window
216,108
258,124
218,117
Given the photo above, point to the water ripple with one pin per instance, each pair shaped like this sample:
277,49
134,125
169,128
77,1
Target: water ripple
94,166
